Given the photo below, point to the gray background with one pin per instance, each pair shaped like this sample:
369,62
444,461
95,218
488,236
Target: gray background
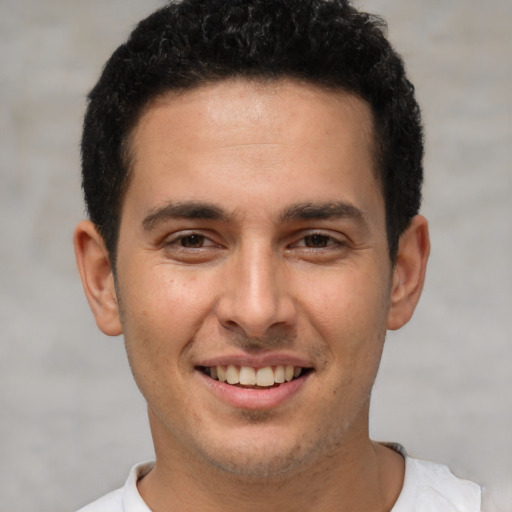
72,422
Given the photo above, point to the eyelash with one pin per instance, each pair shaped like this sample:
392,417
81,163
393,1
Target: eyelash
329,241
179,242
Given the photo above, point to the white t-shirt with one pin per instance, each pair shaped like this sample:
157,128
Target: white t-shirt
428,487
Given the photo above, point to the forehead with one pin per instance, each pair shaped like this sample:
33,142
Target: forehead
250,102
239,137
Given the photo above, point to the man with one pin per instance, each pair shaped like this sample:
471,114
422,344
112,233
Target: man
252,172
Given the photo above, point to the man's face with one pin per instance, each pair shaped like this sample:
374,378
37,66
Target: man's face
253,239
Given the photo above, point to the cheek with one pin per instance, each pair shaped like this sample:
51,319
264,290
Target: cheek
349,313
161,310
347,305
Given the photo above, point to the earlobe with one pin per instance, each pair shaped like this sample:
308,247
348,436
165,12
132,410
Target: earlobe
409,272
97,277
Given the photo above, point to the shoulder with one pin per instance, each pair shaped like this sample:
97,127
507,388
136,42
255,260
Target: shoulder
431,487
112,502
126,499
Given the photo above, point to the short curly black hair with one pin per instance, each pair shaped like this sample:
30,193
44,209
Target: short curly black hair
192,42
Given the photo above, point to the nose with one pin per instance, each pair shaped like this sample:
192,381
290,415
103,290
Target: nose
256,300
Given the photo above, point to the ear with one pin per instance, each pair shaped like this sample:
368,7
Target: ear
97,277
409,272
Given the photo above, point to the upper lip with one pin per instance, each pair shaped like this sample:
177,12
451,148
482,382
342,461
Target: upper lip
257,360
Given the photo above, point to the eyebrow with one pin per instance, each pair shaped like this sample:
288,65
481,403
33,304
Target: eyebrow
184,210
208,211
322,211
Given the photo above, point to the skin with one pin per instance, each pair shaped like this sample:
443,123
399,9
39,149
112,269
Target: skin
256,274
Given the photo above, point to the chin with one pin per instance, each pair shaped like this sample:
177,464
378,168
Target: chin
270,457
245,465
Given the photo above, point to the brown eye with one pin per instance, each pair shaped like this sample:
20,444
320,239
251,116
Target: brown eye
192,241
317,241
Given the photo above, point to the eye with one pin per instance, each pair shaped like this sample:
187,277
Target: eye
317,240
320,246
193,241
192,247
189,241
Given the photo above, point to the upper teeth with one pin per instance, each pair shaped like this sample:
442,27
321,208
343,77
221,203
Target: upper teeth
248,376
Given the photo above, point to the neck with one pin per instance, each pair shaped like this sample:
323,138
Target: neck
360,475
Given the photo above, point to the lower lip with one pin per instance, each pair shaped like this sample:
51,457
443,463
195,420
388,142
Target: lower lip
248,398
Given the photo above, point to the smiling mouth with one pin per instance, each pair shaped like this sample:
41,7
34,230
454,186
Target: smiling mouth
246,376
